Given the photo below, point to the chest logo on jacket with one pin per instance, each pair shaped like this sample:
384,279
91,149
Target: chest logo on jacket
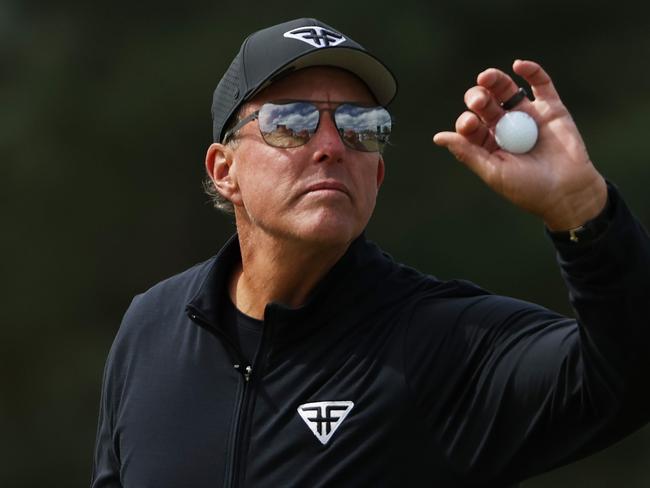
324,418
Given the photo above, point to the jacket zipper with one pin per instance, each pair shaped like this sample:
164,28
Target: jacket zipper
232,476
241,407
259,361
246,370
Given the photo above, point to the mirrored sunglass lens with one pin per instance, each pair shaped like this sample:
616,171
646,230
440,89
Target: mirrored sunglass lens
288,124
363,128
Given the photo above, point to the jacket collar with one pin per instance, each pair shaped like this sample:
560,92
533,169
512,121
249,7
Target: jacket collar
355,274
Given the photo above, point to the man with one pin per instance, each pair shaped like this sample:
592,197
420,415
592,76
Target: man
302,355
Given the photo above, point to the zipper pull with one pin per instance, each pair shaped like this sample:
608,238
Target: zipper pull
247,373
248,370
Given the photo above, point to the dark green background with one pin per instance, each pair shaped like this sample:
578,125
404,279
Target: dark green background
104,122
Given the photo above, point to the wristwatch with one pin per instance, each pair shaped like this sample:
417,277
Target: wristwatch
589,231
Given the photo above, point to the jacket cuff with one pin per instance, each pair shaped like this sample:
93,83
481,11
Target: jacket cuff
615,244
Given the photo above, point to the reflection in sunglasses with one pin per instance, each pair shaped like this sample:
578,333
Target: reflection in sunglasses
293,124
282,136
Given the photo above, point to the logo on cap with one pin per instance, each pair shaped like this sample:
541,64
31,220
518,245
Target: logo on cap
316,36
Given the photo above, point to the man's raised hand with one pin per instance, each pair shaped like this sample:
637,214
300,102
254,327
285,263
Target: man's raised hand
556,179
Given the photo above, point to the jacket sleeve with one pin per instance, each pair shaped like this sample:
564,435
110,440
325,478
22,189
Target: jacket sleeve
509,389
106,472
106,466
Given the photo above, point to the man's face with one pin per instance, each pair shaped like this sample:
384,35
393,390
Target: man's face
322,192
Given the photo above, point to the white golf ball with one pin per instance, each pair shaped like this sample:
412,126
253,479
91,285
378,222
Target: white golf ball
516,132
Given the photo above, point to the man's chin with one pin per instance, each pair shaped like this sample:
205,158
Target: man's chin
328,230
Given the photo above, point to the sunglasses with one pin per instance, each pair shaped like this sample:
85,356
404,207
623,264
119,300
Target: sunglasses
293,123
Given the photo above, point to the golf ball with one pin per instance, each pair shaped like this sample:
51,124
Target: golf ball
516,132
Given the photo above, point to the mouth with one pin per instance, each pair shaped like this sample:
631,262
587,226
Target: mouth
328,186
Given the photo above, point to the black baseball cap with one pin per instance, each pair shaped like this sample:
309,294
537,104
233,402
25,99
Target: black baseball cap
269,54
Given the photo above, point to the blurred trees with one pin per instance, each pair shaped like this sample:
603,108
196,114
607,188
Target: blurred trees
104,120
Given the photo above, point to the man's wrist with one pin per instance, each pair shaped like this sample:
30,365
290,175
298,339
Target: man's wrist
578,209
587,232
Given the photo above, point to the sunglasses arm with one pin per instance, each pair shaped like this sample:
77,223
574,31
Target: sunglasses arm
239,125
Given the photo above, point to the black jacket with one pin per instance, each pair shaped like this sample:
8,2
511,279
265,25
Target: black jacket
436,383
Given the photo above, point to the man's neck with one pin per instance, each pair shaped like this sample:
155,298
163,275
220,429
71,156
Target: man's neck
278,270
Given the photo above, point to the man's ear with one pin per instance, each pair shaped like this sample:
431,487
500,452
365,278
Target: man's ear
381,172
219,166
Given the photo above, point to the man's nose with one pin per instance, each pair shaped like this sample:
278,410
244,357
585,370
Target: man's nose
327,141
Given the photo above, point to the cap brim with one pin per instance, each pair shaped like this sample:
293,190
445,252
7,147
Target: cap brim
380,80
